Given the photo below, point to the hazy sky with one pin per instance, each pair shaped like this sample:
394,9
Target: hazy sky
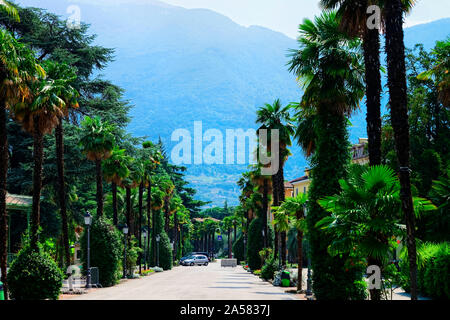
286,15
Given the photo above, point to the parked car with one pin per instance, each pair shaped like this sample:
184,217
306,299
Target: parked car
185,257
203,254
200,260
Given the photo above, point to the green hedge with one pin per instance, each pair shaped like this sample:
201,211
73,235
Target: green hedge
238,248
255,244
165,249
433,278
106,250
34,275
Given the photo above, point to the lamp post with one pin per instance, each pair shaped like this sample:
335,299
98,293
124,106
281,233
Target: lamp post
88,222
157,249
144,233
309,280
125,232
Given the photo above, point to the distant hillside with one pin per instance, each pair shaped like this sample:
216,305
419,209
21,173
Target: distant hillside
179,66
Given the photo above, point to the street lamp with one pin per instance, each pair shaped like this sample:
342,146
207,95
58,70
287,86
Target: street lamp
309,280
157,249
144,233
88,222
125,232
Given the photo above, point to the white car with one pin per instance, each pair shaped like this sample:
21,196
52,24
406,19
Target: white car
196,259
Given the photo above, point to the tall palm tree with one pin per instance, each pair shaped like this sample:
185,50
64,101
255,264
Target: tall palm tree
329,66
395,53
115,169
275,117
353,21
17,66
97,141
62,77
38,118
227,224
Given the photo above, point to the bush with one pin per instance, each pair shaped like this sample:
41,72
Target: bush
433,279
269,268
255,244
132,255
34,275
106,251
165,249
238,248
257,272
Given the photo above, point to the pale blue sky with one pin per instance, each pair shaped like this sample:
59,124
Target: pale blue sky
286,15
279,15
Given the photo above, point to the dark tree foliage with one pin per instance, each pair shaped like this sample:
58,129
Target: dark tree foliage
165,250
106,250
255,244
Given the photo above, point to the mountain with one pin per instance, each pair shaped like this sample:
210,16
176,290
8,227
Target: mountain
183,65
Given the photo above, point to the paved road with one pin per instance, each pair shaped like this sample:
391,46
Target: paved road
192,283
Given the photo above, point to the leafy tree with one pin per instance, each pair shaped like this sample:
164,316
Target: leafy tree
330,67
255,243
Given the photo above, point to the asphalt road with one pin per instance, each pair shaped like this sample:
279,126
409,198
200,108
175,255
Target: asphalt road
192,283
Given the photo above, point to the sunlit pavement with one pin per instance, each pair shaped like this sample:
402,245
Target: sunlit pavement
212,282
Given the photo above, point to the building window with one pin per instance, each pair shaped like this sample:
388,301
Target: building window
304,189
296,192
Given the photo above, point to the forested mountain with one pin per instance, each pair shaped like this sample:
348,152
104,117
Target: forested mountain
183,65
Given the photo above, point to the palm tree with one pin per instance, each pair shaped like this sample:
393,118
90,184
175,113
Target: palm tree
353,224
38,118
17,66
275,117
227,224
62,76
395,55
353,21
9,9
115,169
97,142
293,209
329,66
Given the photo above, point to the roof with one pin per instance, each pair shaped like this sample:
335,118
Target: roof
18,201
288,185
304,178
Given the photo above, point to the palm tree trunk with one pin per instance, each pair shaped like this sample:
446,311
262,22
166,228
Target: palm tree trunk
234,232
149,210
276,203
3,212
281,198
166,215
229,244
114,203
175,235
299,254
265,208
59,137
395,51
141,194
373,91
38,154
130,220
98,169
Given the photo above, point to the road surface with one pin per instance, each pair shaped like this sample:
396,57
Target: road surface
192,283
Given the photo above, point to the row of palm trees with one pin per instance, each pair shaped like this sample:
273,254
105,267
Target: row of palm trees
335,77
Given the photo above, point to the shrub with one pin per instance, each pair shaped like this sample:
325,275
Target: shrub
255,244
106,251
269,268
165,249
34,275
238,248
257,272
132,255
433,279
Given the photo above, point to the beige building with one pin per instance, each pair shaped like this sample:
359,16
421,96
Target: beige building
359,156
